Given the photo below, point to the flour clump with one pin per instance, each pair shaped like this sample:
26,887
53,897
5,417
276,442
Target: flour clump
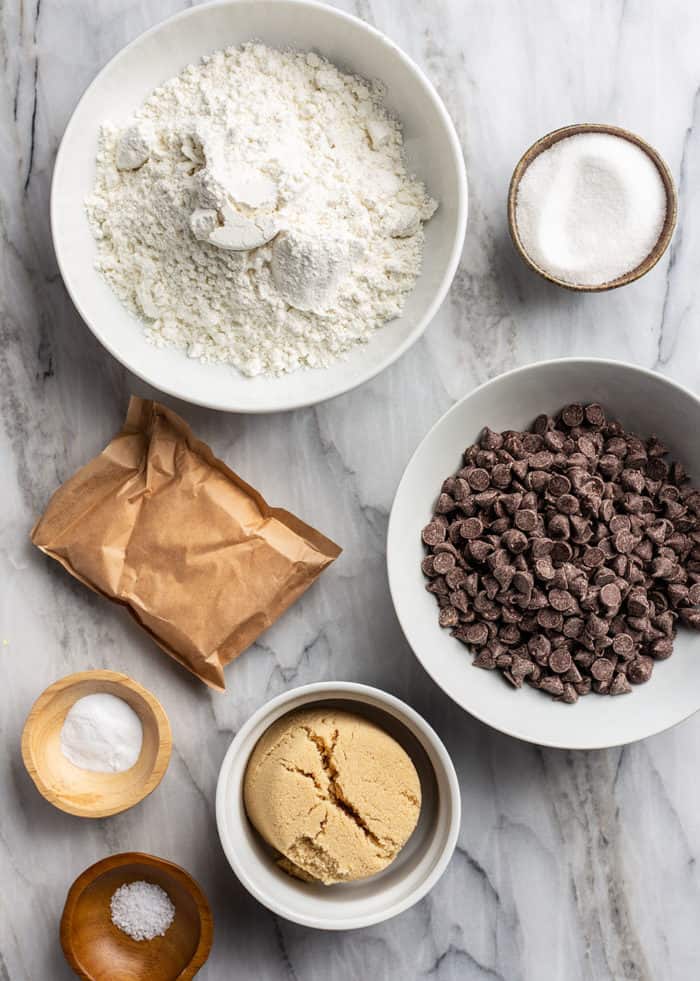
257,211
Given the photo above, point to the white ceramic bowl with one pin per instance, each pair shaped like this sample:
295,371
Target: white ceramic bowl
418,865
645,403
432,149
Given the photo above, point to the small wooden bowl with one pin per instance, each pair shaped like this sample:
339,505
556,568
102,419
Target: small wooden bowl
97,950
82,792
671,203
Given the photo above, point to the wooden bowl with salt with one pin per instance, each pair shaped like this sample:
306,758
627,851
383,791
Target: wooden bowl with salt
86,793
97,950
665,235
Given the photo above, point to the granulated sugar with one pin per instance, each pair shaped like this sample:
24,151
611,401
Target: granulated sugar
590,208
142,910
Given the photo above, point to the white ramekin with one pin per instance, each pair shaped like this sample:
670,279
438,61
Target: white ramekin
417,867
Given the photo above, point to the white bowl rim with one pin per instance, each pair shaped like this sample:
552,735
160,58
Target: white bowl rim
450,269
402,711
425,662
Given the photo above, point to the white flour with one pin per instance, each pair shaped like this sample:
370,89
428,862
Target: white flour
257,211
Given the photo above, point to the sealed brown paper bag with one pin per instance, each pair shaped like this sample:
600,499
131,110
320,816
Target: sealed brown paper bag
157,523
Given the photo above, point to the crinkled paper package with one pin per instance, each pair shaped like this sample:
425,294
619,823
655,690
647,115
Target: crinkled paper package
158,524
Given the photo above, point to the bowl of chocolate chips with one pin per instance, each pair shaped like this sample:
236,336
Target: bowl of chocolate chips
546,533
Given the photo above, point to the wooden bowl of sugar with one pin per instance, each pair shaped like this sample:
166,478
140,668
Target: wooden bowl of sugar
604,174
69,732
150,898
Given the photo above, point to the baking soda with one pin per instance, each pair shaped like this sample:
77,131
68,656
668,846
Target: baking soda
590,208
102,733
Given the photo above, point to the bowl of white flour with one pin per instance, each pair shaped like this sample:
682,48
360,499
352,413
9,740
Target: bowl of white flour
259,204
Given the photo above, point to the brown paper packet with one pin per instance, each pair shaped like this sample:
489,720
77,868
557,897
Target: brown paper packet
157,523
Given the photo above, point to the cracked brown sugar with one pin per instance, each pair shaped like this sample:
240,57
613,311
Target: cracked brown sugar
333,793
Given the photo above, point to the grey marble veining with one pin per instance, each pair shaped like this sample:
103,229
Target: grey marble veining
570,866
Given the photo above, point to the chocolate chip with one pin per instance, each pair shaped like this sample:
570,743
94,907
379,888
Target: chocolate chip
525,520
559,485
609,465
573,627
485,659
561,600
479,550
637,603
602,669
460,600
552,684
593,557
595,415
679,594
558,526
560,660
500,475
515,541
572,415
448,617
610,596
539,647
523,582
550,619
445,504
595,626
443,562
691,618
693,594
624,542
520,667
639,670
541,547
662,568
620,685
510,634
490,440
478,479
554,440
567,504
661,648
561,552
657,469
532,442
537,481
477,634
471,528
427,566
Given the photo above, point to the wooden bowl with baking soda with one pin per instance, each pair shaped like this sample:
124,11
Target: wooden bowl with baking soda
85,792
591,207
98,950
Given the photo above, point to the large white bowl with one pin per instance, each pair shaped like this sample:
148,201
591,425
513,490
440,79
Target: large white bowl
414,871
432,149
645,403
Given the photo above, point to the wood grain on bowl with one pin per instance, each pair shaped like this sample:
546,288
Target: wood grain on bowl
98,951
85,793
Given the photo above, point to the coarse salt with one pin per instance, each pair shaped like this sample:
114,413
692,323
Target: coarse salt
590,208
142,910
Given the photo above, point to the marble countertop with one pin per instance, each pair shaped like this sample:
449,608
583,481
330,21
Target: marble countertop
570,866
